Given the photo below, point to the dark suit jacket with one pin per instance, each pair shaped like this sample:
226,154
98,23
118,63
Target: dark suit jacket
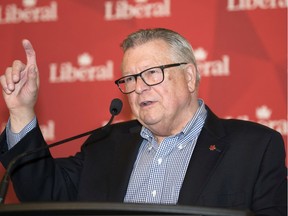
246,170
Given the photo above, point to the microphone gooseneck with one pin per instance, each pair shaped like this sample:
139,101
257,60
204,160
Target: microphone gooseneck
115,109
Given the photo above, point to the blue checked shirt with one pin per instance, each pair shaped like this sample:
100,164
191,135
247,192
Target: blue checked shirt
14,138
159,170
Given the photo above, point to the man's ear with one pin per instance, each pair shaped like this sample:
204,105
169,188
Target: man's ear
190,74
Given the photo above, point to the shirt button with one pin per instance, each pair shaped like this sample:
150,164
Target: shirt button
160,161
154,193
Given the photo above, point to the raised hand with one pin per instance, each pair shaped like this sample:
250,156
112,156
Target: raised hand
20,85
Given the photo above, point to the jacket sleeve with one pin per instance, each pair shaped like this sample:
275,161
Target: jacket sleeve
38,176
270,192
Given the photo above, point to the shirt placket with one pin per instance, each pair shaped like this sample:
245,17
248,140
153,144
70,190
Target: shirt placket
158,172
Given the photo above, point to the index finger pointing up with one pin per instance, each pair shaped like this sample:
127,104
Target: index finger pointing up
30,53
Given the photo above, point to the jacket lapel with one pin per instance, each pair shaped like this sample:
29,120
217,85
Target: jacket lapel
125,154
208,152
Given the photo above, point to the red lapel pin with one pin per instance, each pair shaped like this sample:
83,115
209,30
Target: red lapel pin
214,148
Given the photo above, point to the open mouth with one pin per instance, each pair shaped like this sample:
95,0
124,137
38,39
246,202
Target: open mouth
145,103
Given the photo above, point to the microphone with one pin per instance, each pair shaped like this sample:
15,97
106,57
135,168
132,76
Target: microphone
115,109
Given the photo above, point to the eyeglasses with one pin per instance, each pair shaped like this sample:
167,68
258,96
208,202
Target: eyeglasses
151,76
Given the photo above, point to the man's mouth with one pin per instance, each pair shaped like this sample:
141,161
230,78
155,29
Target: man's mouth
145,103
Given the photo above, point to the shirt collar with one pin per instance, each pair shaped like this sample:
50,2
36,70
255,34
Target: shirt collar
200,113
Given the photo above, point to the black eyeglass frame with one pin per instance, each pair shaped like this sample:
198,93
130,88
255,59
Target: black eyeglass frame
162,67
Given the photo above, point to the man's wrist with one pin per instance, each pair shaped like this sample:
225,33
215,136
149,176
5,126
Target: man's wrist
14,138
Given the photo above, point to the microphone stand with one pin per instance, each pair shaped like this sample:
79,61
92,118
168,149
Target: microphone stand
115,109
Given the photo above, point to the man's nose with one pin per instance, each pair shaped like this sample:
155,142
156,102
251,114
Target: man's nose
140,85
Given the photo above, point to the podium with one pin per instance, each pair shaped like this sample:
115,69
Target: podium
83,208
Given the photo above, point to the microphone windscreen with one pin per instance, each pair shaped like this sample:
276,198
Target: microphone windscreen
116,106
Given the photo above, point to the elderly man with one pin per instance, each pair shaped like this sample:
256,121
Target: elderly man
175,152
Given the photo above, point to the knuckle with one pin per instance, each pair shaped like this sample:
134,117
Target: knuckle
16,63
3,82
8,71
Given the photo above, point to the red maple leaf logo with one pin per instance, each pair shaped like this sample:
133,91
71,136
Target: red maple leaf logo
212,147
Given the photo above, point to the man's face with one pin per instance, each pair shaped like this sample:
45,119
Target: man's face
163,108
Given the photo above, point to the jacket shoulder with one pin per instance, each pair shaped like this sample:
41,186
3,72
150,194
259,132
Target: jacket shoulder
215,123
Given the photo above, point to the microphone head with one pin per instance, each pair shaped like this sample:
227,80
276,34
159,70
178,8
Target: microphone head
116,106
